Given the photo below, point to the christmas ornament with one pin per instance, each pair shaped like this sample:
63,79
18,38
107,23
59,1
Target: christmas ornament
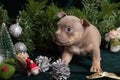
20,47
29,65
15,30
21,57
43,62
32,68
60,70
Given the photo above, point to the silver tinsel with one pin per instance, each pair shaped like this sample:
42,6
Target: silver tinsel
15,30
43,62
60,70
20,47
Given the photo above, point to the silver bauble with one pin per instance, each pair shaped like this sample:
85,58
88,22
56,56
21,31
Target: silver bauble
15,30
20,47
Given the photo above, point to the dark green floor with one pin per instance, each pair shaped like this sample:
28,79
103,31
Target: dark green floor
80,67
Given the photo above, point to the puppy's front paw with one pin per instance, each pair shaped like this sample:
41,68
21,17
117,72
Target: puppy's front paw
95,68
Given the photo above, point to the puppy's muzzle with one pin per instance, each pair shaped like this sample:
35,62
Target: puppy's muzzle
56,37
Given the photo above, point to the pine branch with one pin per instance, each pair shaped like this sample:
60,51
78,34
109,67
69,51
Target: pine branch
90,10
3,16
34,6
26,24
76,12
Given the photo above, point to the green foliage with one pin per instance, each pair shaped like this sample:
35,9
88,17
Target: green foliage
101,13
37,22
27,33
3,16
75,11
117,20
109,14
33,7
90,10
44,26
6,45
27,19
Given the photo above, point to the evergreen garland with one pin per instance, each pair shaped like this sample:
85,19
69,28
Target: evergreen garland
102,14
38,22
27,35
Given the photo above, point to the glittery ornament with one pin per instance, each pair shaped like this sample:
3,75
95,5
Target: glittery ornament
20,47
15,30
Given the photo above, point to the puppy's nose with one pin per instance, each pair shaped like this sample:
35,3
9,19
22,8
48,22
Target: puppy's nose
56,35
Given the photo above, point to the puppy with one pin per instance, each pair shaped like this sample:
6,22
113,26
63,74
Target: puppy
78,36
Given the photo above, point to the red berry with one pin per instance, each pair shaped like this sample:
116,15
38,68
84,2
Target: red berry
4,68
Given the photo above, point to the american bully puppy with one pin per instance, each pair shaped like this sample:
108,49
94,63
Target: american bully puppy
78,36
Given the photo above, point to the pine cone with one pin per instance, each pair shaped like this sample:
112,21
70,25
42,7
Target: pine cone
43,63
60,70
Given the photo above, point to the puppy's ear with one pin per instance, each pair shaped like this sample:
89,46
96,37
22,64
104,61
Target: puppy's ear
61,14
85,23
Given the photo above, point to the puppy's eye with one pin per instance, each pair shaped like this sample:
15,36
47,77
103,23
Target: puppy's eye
68,29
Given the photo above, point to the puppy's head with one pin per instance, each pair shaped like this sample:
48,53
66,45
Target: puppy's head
70,29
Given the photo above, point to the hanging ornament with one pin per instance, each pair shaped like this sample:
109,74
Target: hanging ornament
15,30
20,47
60,71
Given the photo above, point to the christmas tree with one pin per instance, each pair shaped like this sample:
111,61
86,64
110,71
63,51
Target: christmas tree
6,45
